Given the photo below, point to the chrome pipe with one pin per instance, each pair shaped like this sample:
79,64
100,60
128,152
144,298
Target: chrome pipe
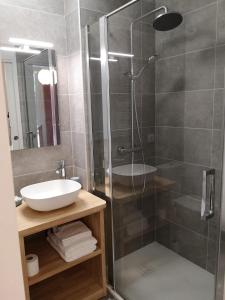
121,8
150,13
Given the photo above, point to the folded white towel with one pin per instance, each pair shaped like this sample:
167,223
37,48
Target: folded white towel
71,233
69,250
76,254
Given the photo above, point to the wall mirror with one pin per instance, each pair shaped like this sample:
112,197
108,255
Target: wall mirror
30,79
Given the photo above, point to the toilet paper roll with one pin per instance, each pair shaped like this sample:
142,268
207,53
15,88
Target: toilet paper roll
32,264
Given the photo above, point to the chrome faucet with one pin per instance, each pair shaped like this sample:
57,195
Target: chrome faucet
61,170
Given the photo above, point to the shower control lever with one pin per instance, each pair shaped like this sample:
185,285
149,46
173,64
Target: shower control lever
208,192
123,150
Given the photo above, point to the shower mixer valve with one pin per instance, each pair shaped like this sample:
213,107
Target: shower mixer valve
123,150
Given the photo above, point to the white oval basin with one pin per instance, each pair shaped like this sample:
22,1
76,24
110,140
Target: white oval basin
50,195
133,170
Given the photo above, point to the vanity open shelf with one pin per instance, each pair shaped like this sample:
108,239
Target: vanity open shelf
50,262
80,282
83,278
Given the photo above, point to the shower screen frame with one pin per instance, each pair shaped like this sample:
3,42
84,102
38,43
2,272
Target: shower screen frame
105,78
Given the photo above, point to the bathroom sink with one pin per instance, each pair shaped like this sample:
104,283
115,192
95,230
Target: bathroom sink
50,195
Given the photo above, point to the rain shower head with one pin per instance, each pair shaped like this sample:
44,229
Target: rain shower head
167,21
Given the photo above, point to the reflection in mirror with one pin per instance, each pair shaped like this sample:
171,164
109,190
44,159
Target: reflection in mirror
31,94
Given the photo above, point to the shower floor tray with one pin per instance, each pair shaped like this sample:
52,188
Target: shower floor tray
157,273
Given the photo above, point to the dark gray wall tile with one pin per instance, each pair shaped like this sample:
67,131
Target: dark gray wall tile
148,79
170,109
198,31
218,112
148,138
95,80
96,107
220,64
199,70
170,142
98,150
147,40
170,74
172,171
217,149
200,28
193,71
148,110
147,5
119,30
120,108
170,43
132,12
212,257
185,109
184,6
187,243
221,22
192,179
197,145
183,210
198,110
119,81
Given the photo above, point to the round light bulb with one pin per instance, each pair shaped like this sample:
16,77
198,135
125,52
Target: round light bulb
44,77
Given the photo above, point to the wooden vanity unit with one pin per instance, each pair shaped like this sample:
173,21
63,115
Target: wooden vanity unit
84,278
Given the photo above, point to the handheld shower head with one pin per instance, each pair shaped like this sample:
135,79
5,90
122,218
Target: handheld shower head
140,72
153,57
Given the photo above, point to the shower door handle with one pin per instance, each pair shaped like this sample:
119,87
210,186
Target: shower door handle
208,192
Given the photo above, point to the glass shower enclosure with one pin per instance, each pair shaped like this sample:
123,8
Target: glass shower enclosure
157,107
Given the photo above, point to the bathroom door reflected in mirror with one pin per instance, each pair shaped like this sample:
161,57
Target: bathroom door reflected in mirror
31,93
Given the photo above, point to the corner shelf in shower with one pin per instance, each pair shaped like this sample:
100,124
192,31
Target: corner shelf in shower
125,193
82,279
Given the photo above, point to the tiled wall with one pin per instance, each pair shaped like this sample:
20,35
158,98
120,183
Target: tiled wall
133,213
58,22
40,20
189,126
90,12
183,107
80,150
133,210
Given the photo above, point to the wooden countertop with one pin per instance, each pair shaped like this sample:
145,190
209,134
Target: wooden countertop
31,221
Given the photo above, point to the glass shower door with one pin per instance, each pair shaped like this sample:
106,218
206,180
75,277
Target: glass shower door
161,154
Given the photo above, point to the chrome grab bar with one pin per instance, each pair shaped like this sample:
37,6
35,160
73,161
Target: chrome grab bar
123,150
207,213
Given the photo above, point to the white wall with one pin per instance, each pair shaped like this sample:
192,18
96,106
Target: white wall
11,281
